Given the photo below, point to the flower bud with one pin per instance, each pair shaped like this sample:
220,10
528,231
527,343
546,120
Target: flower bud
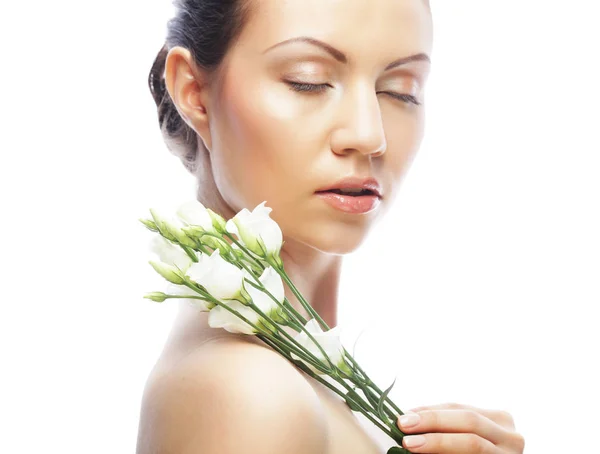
161,225
151,225
179,234
218,222
169,272
158,297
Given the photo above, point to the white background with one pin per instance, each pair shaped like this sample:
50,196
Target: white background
485,277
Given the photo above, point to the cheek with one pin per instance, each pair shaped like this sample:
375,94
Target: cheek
404,135
262,146
252,138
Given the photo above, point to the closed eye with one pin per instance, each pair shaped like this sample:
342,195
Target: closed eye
318,88
306,87
402,97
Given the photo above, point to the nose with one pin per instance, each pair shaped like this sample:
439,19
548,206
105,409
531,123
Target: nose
361,125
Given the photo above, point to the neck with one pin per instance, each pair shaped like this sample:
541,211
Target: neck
316,275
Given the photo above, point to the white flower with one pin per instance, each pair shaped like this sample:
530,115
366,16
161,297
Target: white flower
220,317
256,228
329,341
273,283
194,213
183,290
169,253
220,278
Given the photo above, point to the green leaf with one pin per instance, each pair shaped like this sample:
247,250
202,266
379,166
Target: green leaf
380,411
398,450
370,395
356,342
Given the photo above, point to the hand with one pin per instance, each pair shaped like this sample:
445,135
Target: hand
460,429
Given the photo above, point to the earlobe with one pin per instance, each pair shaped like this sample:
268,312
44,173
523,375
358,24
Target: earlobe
188,88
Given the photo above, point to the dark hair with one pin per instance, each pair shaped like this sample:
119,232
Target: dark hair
207,29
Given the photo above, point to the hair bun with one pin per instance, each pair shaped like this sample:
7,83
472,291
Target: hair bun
156,78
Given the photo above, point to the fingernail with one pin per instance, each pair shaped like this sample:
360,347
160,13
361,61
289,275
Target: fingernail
409,420
414,441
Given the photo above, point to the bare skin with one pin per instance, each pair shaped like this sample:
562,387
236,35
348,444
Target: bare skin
265,140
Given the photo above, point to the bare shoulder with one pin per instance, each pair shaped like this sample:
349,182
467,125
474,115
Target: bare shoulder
231,396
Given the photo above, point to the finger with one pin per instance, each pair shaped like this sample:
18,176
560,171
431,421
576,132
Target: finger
500,417
453,421
449,444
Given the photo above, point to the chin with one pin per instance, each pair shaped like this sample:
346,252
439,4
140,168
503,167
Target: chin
335,241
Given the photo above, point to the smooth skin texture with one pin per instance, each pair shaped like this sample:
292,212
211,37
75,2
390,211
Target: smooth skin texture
270,139
455,428
231,398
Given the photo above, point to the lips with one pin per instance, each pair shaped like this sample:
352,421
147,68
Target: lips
352,195
354,187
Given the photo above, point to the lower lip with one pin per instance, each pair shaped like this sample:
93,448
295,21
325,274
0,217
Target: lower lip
351,204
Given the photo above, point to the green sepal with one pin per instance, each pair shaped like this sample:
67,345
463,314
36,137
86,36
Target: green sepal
280,317
218,222
345,369
157,297
151,225
162,226
170,273
267,325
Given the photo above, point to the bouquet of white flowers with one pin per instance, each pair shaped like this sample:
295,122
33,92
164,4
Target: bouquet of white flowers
233,270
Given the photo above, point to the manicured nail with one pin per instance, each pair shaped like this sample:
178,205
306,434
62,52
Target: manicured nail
414,441
409,420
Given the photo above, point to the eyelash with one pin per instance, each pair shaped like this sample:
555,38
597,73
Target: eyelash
318,88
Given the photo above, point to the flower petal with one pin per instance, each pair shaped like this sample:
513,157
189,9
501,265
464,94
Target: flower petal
170,253
194,213
219,317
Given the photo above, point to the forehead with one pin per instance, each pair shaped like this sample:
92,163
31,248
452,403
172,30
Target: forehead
354,26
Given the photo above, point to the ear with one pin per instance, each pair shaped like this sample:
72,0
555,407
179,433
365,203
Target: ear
188,87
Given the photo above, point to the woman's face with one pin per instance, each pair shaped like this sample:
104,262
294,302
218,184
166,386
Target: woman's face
292,116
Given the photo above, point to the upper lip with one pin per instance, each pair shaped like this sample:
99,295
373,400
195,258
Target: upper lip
369,183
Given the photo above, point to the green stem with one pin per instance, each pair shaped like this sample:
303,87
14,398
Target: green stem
372,384
249,253
328,385
300,351
299,296
309,308
296,313
262,288
285,333
287,309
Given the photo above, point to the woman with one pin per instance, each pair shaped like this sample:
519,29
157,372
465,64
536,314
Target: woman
315,106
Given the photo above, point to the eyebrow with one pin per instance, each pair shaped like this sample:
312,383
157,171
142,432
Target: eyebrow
341,57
